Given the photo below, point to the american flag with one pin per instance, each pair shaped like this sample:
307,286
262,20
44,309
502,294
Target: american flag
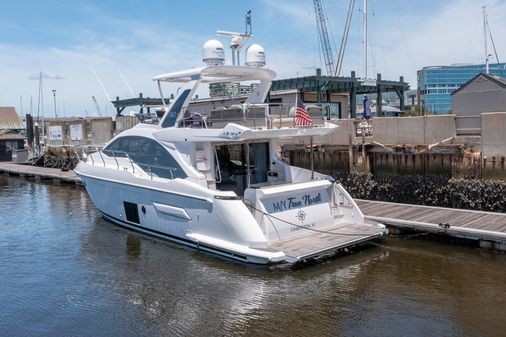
301,115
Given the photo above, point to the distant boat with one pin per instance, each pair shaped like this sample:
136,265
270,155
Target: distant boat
217,182
386,110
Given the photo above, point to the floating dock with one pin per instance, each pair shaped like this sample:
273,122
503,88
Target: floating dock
43,173
488,228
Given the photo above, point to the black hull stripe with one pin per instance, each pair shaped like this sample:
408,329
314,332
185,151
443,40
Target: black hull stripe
193,244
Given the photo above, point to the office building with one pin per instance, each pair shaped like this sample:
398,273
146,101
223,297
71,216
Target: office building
436,83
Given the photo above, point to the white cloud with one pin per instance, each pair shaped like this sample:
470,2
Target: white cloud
404,37
452,33
159,52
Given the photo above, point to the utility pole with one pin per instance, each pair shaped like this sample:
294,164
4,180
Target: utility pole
54,96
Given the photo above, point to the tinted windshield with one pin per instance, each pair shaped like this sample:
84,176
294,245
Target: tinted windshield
148,154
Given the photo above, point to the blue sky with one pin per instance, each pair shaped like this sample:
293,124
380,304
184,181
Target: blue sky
145,38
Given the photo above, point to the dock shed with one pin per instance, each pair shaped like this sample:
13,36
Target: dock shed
11,133
483,93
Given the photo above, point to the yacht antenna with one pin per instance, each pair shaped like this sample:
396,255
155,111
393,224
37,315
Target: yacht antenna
248,22
237,40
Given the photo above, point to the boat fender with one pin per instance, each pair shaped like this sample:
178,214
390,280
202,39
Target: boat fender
383,228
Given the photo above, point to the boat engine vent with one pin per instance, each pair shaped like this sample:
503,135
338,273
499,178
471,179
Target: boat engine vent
255,56
213,53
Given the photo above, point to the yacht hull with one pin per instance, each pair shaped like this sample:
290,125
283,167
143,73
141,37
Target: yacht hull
140,209
192,221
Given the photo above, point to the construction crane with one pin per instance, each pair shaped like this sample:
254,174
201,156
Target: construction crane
96,105
323,35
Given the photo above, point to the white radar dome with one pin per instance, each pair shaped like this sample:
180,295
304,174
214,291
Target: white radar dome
213,53
255,56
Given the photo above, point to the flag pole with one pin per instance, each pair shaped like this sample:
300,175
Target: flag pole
295,107
312,156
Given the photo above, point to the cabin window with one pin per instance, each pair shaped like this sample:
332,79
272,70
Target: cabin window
152,157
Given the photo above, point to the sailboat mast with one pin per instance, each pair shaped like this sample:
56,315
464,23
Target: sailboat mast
365,38
485,37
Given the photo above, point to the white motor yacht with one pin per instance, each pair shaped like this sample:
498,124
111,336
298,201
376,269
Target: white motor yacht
216,181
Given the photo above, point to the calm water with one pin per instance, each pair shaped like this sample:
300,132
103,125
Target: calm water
64,271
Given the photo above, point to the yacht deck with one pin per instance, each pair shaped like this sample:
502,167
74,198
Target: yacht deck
327,241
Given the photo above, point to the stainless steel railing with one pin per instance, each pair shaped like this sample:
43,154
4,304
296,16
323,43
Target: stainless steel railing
274,115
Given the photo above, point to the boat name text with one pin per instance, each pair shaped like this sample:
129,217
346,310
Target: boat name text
294,202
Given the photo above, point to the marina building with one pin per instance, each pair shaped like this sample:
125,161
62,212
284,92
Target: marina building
11,137
436,83
338,96
484,93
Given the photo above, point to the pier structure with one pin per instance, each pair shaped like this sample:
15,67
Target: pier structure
316,88
486,229
141,101
39,173
325,86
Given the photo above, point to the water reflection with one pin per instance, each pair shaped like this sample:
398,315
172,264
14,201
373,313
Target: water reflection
178,289
74,273
133,246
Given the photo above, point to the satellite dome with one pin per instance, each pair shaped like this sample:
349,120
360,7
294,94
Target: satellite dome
213,53
255,56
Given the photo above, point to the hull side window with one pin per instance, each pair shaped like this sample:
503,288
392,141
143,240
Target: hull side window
131,212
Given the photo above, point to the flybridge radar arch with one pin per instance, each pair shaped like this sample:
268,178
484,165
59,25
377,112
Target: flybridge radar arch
215,71
237,40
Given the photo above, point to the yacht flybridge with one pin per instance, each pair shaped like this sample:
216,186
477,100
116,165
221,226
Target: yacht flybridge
215,181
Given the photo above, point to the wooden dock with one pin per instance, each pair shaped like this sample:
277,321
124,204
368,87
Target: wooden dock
488,228
43,173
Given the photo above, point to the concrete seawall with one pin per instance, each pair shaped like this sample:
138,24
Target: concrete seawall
483,154
493,140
